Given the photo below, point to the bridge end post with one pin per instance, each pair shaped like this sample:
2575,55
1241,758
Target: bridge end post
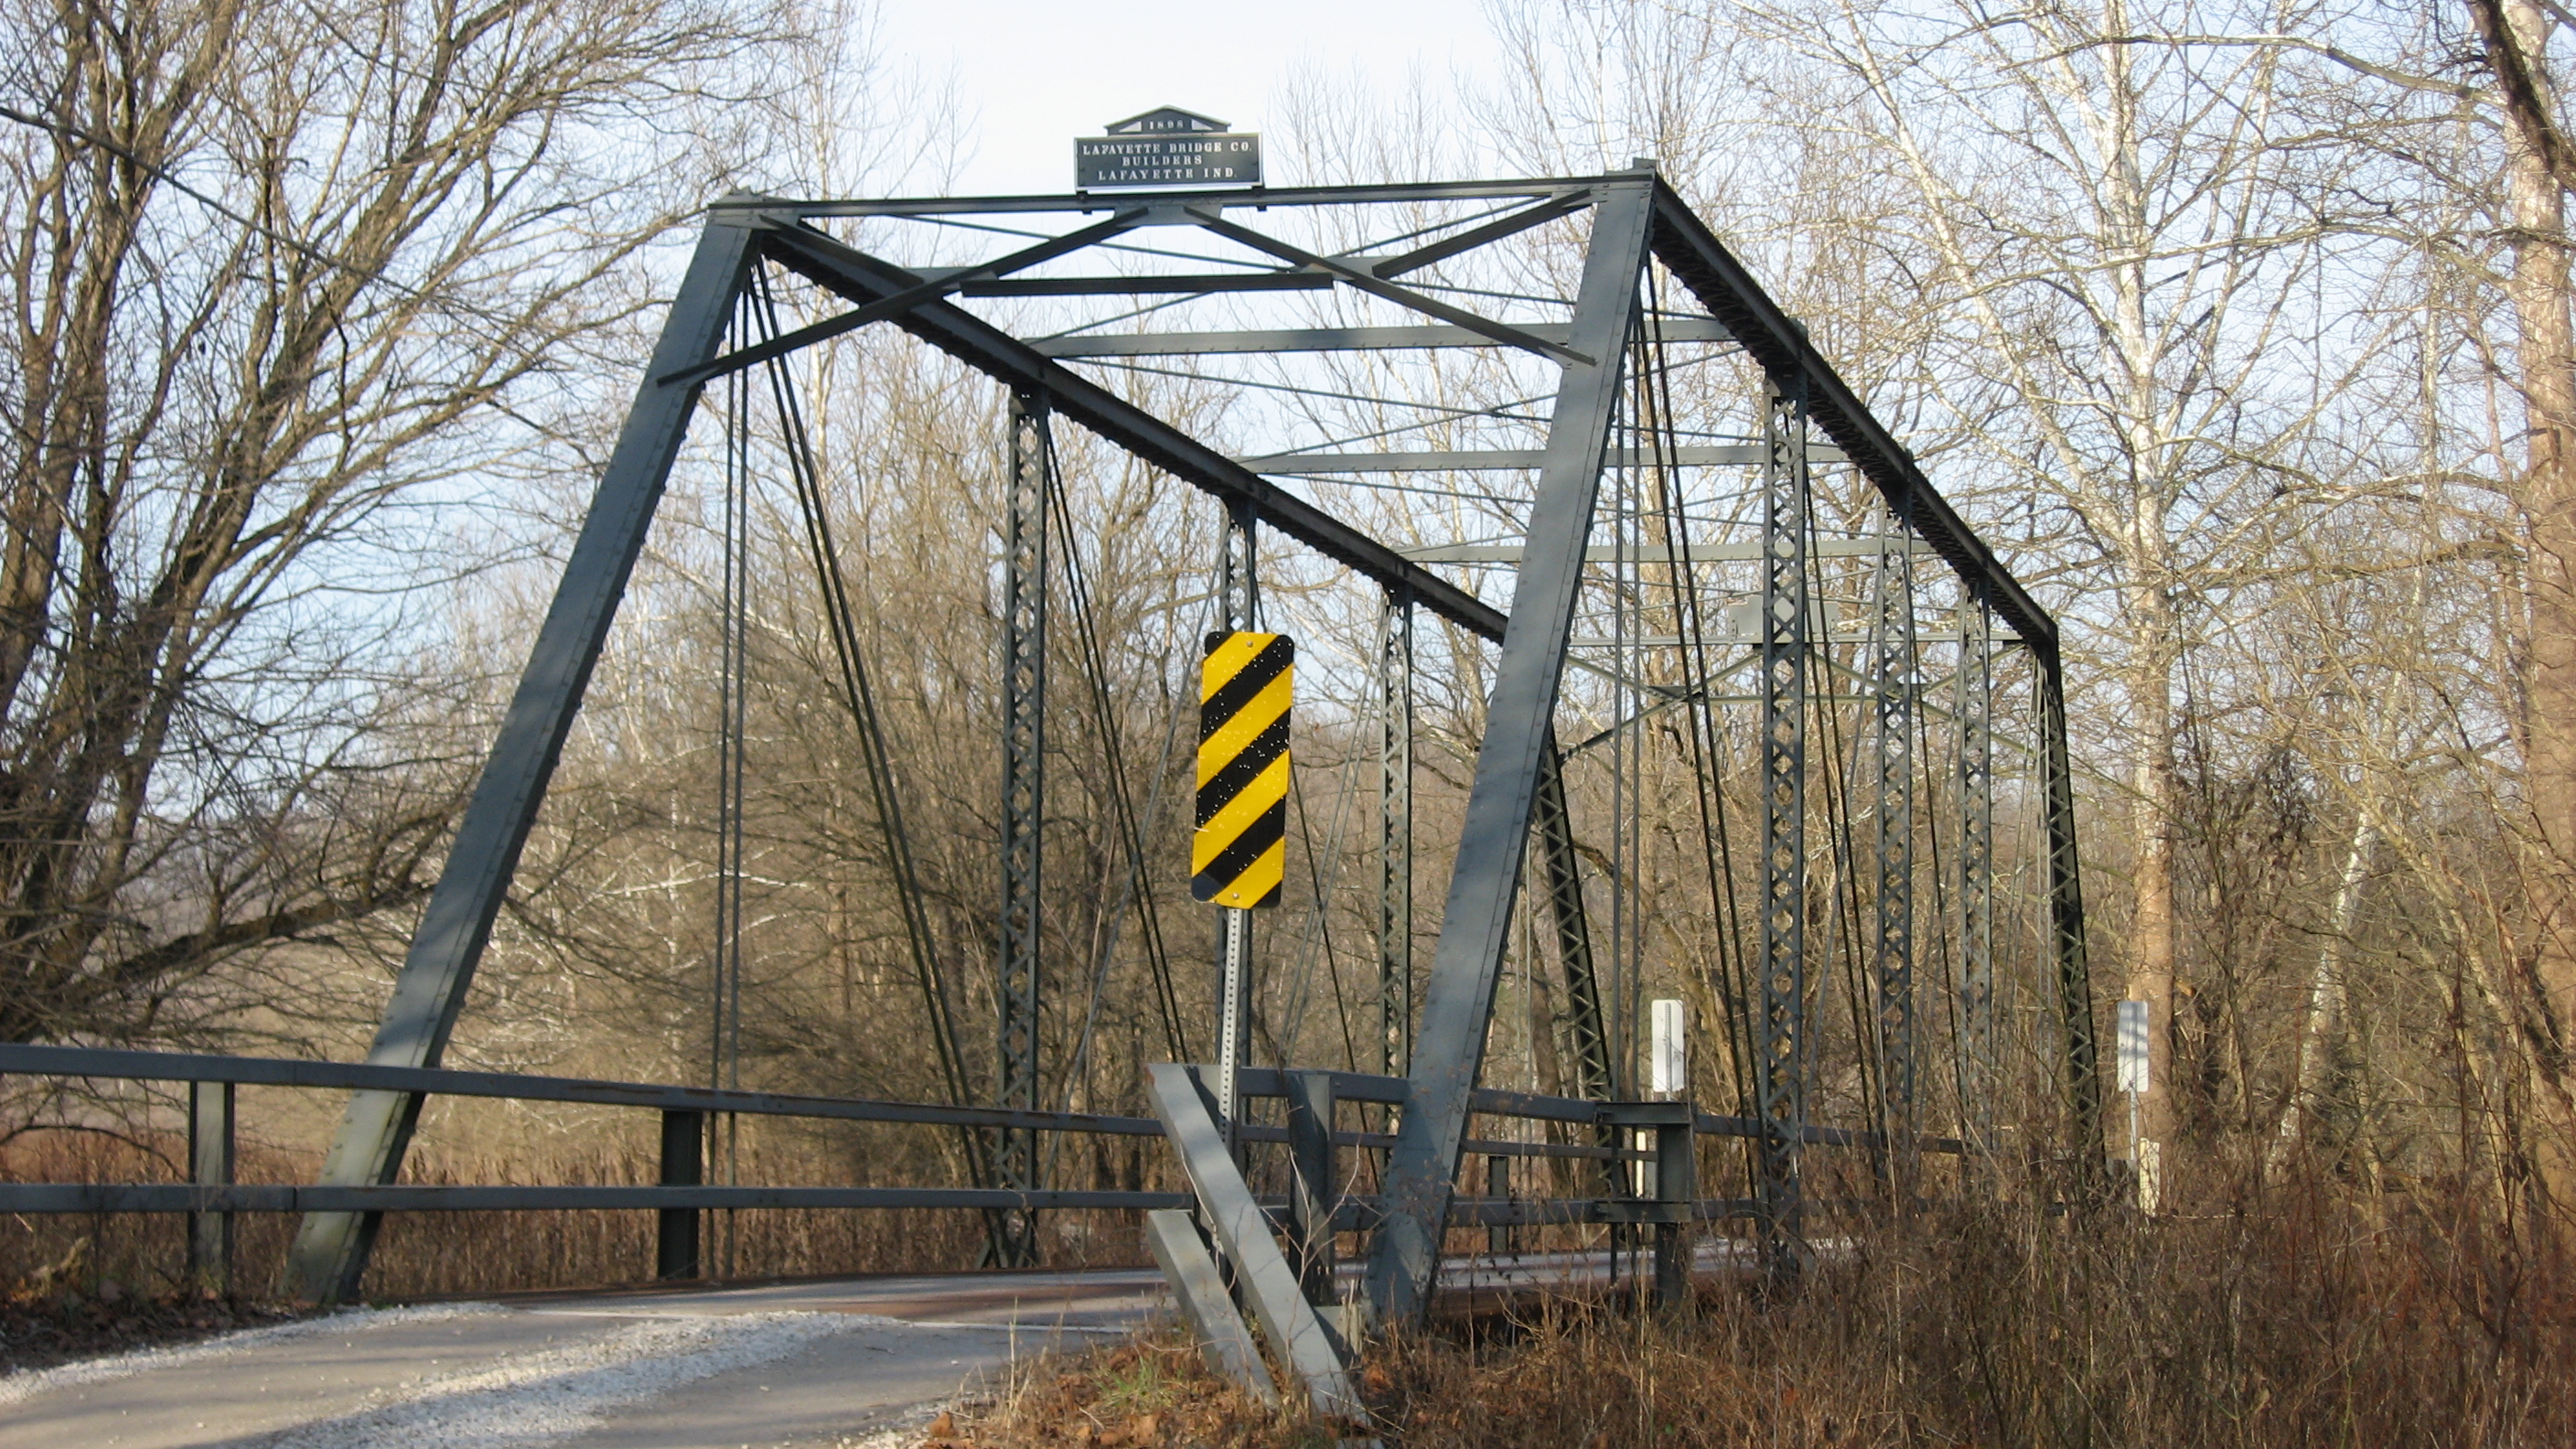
329,1256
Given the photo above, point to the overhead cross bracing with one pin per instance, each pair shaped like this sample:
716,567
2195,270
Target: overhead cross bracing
1548,438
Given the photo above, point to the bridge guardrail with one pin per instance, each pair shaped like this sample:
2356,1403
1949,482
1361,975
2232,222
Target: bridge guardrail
211,1197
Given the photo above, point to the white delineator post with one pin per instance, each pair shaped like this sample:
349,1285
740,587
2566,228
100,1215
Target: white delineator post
1668,1053
2143,1157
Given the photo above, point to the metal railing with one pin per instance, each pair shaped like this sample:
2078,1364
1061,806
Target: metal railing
210,1197
1308,1214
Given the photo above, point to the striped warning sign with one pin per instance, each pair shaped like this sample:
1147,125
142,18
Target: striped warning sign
1240,853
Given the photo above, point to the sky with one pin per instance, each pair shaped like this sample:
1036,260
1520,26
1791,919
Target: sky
1035,74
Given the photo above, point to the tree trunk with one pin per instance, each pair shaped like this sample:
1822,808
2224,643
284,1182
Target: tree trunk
2323,1021
2515,34
2151,915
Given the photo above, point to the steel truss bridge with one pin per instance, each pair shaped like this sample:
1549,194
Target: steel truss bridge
1608,343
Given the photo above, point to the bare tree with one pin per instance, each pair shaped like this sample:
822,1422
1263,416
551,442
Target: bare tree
2539,170
274,274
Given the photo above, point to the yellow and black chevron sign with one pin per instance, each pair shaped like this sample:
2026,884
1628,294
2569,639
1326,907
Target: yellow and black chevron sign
1240,853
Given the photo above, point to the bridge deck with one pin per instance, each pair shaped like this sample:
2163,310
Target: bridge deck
833,1362
830,1363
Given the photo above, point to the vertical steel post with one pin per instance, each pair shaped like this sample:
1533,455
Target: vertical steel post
1395,837
1315,1187
1596,1076
1973,689
675,1244
1676,1191
2066,913
1493,840
210,1164
1666,1199
1498,1186
1024,670
1238,607
1780,1080
330,1251
1892,686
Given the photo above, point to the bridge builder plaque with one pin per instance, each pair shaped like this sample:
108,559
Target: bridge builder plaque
1166,147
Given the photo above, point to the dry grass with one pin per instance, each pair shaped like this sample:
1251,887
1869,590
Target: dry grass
1145,1393
2304,1319
2305,1313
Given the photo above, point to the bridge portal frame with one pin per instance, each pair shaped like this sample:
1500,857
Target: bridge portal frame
1637,217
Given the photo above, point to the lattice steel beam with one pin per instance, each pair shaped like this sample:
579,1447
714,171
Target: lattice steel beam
1596,1066
1024,689
2066,914
1973,691
1893,676
1780,1077
1595,1070
1395,837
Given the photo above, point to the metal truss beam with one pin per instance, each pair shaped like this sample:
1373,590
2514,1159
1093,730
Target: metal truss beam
1685,245
859,277
1634,215
1745,552
1596,1074
1260,198
2066,915
1024,689
1563,203
1331,339
1780,1046
1476,924
1198,1290
1973,688
1266,1280
1152,286
1893,685
330,1250
1596,1065
1722,455
1395,837
913,296
1364,277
